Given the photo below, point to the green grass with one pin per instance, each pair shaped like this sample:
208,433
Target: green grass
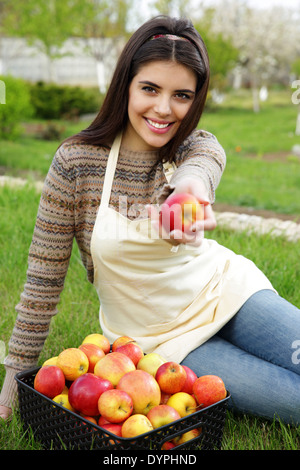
247,137
78,310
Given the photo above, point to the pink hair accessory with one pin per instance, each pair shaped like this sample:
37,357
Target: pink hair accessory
173,37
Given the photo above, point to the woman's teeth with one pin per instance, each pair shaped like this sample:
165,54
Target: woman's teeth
157,125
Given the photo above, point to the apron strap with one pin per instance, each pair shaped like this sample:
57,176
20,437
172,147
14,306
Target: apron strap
110,171
169,169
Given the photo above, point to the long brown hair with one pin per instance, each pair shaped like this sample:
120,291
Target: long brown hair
113,115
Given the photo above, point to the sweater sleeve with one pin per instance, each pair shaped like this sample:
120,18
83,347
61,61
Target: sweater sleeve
48,261
200,156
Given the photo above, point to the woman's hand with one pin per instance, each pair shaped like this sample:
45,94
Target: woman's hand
5,412
195,235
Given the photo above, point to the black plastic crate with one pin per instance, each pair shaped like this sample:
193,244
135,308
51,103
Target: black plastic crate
56,428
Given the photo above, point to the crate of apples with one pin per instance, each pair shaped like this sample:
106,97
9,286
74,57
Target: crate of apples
126,393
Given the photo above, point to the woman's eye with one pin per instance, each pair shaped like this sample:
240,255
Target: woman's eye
183,96
148,89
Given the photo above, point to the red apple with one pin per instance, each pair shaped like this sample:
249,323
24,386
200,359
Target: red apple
89,418
102,421
113,366
120,341
114,428
115,405
190,379
167,445
143,389
132,350
171,377
162,414
73,363
99,340
209,389
85,391
136,424
180,211
187,436
183,402
164,398
50,381
93,352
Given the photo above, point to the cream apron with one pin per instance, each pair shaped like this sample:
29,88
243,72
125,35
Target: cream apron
169,301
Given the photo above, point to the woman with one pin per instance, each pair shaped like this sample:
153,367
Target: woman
181,295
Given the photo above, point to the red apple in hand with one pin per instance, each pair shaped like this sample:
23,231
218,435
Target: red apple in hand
115,405
85,391
171,377
209,389
180,211
50,381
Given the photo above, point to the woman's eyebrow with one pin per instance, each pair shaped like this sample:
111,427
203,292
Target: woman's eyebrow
147,82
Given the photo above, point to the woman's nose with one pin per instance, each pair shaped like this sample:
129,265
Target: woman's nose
163,106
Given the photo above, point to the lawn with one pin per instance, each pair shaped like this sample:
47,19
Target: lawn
250,179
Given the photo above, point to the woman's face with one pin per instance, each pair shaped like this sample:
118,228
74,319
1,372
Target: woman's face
160,96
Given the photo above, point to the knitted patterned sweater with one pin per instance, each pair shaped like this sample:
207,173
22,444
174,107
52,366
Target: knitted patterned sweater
68,208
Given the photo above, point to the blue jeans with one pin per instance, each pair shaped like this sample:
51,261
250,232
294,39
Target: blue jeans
257,354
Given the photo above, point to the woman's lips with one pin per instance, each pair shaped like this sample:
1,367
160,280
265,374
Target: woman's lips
158,127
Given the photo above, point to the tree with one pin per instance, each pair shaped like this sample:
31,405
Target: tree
44,24
265,39
48,24
103,23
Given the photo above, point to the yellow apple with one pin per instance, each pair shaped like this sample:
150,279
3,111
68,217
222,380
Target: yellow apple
135,425
73,362
63,400
150,363
183,402
99,340
52,361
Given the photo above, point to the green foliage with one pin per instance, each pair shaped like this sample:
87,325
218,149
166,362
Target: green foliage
52,101
16,108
